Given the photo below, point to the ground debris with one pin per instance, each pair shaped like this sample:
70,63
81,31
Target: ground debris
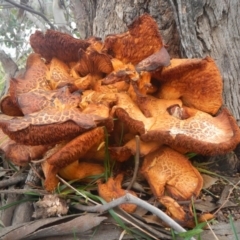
50,206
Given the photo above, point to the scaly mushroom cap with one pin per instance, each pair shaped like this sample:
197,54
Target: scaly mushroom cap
80,170
169,171
197,82
39,99
200,133
197,132
112,189
140,41
56,44
50,125
76,148
33,78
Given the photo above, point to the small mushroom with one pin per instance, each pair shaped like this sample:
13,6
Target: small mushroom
169,171
112,189
183,215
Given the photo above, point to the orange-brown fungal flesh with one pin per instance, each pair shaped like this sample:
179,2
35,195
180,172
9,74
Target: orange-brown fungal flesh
197,82
80,170
10,107
59,74
93,62
140,41
123,153
51,180
184,216
57,44
76,148
90,96
112,189
169,171
20,154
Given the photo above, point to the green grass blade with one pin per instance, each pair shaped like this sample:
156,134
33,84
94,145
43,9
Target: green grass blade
17,202
233,227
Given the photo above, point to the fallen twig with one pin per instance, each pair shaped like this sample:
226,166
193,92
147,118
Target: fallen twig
129,198
13,180
120,216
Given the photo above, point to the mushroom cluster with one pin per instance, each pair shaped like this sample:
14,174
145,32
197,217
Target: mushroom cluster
74,92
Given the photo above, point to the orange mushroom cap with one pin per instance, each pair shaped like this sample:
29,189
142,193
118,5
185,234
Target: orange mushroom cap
112,189
33,78
57,44
20,154
197,82
170,171
50,125
140,41
76,148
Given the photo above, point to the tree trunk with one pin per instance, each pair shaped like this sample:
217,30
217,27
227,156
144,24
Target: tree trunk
190,28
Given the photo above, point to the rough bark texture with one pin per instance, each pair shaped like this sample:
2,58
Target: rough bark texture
84,12
191,28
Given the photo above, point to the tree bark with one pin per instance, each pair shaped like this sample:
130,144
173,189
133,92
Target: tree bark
84,12
190,29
